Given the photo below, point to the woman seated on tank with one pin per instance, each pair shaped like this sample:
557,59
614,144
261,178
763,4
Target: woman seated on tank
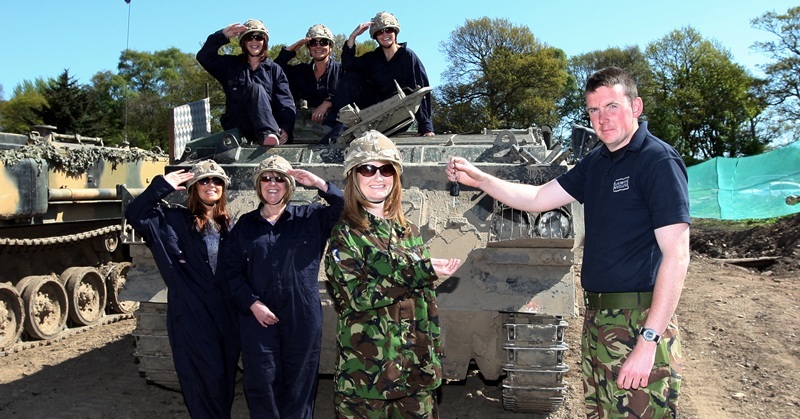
314,82
370,78
258,100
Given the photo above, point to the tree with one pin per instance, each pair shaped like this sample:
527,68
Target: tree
157,82
500,76
17,114
782,90
108,92
705,105
582,66
68,107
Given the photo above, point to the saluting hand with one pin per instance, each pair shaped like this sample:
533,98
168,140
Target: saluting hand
308,179
178,177
233,30
297,45
361,28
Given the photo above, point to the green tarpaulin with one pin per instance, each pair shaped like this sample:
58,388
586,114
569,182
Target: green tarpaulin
751,187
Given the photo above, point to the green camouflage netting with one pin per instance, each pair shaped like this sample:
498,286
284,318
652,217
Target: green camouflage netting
75,160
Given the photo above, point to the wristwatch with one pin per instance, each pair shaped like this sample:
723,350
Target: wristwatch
650,335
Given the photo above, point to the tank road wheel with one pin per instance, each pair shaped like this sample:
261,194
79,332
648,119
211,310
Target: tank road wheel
107,243
115,280
86,290
11,316
45,302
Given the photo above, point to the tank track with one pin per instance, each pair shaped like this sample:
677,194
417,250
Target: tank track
67,333
69,238
31,246
535,370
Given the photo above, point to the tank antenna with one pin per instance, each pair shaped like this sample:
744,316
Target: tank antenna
127,43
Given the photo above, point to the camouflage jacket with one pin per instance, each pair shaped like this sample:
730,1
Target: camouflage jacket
388,325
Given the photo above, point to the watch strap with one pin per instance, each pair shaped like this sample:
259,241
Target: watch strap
655,336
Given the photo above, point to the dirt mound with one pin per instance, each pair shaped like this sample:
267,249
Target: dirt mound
779,240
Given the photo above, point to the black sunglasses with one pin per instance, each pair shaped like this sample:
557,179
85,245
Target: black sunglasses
385,30
256,36
368,170
215,180
318,42
278,179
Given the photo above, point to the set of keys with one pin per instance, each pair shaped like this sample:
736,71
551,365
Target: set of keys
454,188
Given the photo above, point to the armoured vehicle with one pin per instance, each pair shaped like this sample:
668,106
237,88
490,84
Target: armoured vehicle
61,261
504,310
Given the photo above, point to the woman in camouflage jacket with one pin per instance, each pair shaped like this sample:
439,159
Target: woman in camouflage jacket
382,277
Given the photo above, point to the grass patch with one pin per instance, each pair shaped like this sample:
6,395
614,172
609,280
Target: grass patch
734,225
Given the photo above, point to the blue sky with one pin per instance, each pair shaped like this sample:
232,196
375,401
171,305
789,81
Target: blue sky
42,38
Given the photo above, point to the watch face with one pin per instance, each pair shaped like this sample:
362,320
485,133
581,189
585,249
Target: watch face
649,334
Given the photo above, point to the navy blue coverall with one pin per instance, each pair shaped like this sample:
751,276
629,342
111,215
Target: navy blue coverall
257,102
278,265
201,320
369,79
304,83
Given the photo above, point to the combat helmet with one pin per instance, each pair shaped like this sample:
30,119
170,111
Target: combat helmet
254,25
383,20
371,146
207,168
320,31
275,164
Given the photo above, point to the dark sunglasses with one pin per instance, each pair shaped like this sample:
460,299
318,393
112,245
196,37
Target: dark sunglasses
318,42
256,36
368,170
278,179
215,180
385,30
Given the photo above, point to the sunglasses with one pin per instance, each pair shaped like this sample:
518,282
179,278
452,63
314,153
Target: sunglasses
256,36
385,30
368,170
215,180
318,42
277,179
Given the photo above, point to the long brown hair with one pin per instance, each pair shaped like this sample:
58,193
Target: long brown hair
354,202
219,212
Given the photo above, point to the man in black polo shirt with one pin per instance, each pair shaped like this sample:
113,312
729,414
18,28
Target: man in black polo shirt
636,254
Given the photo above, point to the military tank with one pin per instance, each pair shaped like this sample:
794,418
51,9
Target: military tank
504,310
61,260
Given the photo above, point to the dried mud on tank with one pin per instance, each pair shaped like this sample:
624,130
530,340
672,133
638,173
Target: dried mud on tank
740,331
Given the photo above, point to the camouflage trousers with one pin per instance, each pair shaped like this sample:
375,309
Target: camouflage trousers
418,406
609,335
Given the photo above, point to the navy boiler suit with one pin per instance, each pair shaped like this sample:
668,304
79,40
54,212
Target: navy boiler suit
304,83
256,101
278,265
201,320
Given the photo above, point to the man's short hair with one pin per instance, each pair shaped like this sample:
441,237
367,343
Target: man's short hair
611,76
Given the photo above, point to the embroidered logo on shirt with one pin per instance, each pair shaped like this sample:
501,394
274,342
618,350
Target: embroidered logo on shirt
622,184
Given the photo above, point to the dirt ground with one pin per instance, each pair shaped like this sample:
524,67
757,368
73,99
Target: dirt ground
739,325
